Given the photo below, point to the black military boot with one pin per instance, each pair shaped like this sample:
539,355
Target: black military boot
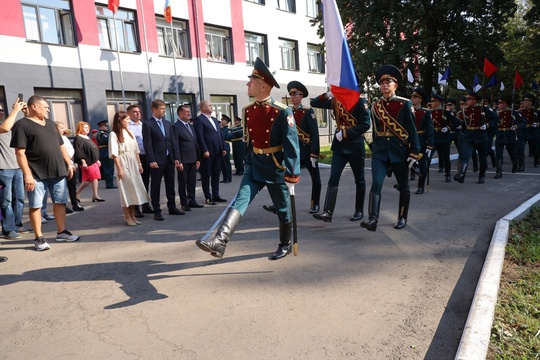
373,209
498,174
404,200
491,154
460,176
413,175
474,161
270,208
421,182
216,246
359,203
315,196
329,205
514,166
284,247
521,160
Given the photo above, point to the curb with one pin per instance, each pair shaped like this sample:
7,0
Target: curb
477,332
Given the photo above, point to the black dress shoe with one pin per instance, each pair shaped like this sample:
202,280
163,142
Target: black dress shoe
358,215
78,208
176,211
218,199
401,223
481,179
186,208
315,209
69,210
325,216
210,202
3,258
420,191
270,208
282,251
448,179
195,205
147,209
158,216
138,213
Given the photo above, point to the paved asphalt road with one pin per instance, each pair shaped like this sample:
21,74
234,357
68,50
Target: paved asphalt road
149,293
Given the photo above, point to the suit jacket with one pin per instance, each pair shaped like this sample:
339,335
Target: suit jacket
188,147
208,138
155,145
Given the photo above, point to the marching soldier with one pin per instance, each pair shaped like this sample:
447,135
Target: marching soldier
395,145
347,147
530,132
445,124
238,146
272,160
509,123
107,164
490,131
475,120
424,129
308,139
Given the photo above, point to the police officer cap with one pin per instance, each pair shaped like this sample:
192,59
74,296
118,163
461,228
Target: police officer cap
295,87
474,95
386,72
260,71
451,101
437,97
103,122
420,92
225,117
530,97
237,118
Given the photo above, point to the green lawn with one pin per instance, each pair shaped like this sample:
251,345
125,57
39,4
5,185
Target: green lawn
325,150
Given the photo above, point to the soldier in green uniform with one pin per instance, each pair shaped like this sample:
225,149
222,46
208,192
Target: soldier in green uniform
395,145
238,146
424,129
530,133
475,120
444,125
272,160
107,164
347,147
510,122
308,139
226,168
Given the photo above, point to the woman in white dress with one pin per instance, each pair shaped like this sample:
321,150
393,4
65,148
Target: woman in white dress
123,149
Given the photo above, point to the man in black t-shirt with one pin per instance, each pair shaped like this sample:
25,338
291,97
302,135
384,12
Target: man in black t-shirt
45,164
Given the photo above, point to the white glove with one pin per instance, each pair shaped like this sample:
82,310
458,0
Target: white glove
444,130
483,127
329,94
459,127
290,187
411,161
339,135
313,162
428,152
513,127
535,125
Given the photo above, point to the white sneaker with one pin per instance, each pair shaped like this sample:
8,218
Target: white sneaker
66,236
41,244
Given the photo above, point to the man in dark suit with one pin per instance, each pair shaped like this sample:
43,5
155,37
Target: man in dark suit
212,144
188,156
161,155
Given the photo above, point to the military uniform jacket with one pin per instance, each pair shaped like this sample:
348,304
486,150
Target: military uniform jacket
531,116
237,139
353,127
472,118
424,128
272,151
308,132
227,136
386,146
509,119
102,139
441,121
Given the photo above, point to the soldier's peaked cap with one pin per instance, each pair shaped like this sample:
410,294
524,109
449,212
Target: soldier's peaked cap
437,97
260,71
103,122
475,95
388,72
529,96
297,86
420,92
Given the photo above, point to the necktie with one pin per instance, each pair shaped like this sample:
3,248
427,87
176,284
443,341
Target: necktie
189,128
160,123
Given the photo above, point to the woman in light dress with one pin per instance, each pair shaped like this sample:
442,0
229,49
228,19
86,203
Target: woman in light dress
123,149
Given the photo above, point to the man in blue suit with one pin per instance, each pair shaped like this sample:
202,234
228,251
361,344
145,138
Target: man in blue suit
212,144
161,155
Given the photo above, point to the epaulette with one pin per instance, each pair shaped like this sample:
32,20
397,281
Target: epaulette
280,105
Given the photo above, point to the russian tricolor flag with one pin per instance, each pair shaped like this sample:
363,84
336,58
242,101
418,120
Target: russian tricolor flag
339,67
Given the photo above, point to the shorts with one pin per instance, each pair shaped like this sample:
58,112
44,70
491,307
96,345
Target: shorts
56,186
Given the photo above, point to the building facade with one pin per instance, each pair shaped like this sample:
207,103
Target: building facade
89,62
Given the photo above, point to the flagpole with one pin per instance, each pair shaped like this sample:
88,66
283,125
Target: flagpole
146,46
119,62
514,92
174,65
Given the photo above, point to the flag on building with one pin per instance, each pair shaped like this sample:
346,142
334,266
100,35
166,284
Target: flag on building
339,67
167,12
518,81
491,82
489,68
113,5
460,86
410,76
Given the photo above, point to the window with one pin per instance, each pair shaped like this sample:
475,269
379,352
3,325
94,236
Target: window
287,5
48,24
125,27
172,103
315,59
115,102
289,56
312,9
218,44
255,47
261,2
223,104
177,43
65,106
